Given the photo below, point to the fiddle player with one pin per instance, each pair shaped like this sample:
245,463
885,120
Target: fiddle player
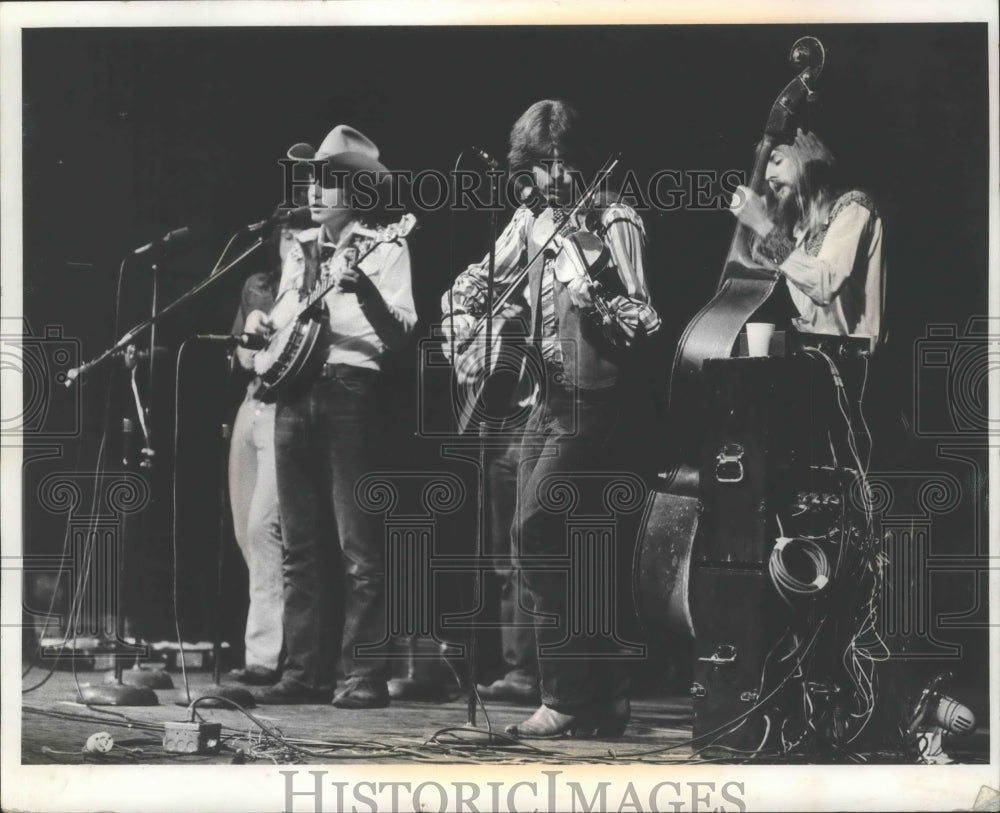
327,434
576,408
826,243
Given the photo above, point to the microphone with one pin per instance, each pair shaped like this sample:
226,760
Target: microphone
950,715
486,158
171,236
251,341
954,717
299,218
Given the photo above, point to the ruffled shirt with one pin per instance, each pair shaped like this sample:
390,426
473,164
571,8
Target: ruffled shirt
622,232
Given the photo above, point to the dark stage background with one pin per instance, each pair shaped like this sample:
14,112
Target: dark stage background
131,133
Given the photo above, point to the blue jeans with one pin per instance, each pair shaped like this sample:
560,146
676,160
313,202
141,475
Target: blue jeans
253,494
569,432
326,439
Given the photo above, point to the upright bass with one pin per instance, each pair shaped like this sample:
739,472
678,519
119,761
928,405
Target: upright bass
670,525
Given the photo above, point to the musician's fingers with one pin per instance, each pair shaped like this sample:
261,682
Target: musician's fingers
580,293
458,327
511,310
348,280
254,320
740,198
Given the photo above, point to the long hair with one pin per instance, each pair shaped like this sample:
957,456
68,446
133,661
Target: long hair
814,166
548,129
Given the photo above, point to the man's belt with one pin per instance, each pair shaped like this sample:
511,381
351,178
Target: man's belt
330,370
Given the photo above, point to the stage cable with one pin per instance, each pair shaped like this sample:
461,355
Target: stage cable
76,598
173,524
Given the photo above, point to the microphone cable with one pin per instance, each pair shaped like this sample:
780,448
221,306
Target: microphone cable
784,580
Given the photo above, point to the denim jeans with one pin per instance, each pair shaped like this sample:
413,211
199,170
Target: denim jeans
253,495
569,431
326,440
517,632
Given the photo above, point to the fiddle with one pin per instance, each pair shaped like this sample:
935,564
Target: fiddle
575,248
477,356
544,232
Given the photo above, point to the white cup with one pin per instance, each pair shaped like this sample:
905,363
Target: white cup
759,338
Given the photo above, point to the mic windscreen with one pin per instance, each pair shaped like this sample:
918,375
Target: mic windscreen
954,716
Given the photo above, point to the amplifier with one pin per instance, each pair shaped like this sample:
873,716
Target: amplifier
791,342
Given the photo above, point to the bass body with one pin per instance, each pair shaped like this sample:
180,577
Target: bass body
666,553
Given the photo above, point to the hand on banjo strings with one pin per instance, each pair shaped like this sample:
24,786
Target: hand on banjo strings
259,323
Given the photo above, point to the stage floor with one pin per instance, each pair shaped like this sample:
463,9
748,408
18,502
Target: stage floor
55,728
403,732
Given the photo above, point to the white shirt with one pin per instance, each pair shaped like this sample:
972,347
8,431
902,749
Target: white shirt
352,338
837,277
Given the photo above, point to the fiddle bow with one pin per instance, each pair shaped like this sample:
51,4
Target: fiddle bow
483,334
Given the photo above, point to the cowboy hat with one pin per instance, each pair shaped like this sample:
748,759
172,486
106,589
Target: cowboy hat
344,149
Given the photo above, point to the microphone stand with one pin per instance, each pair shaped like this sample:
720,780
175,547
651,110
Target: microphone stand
481,496
119,346
118,691
115,691
139,675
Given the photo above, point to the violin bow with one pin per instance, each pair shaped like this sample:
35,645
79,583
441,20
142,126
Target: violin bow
607,168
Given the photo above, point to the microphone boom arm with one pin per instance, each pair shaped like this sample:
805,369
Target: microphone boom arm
120,345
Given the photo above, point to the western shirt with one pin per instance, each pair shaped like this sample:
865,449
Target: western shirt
622,232
352,336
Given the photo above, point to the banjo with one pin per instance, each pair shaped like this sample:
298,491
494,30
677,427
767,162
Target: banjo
292,348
